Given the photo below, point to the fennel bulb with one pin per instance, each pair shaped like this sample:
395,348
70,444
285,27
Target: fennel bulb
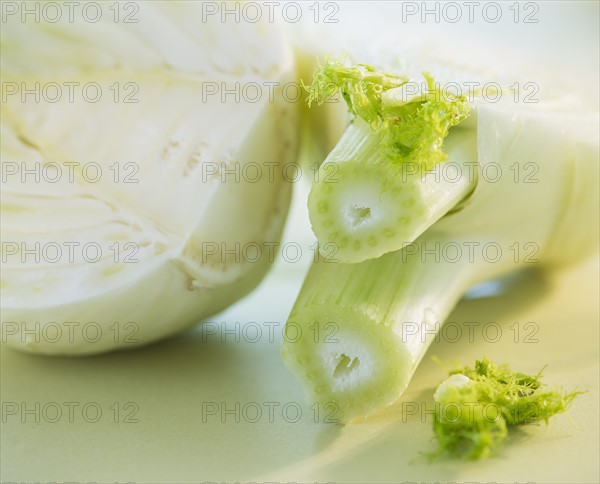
130,243
384,312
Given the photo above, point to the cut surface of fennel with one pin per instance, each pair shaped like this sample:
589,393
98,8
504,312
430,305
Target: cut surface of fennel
157,220
366,205
375,191
387,310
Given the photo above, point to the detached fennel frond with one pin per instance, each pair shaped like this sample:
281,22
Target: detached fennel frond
476,407
379,188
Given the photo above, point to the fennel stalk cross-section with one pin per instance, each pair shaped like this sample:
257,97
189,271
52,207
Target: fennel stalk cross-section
385,311
369,198
115,229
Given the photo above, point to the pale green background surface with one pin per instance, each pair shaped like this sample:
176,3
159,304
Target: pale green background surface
170,381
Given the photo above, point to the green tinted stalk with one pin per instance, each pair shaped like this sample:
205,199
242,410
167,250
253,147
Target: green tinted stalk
359,345
368,205
385,182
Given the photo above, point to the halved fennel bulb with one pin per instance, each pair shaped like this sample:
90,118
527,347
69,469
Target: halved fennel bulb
125,219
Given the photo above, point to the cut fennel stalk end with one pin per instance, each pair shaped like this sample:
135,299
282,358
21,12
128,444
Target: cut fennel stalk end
371,195
367,205
358,345
356,364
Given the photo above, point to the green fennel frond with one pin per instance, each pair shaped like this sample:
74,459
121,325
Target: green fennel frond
360,86
472,418
412,129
